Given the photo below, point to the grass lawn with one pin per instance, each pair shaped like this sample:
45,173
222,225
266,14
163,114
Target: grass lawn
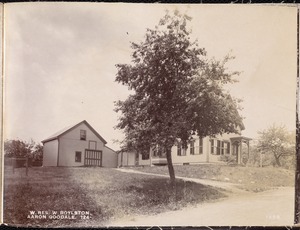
248,178
106,194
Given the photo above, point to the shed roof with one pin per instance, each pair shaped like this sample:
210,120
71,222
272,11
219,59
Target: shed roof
110,149
69,128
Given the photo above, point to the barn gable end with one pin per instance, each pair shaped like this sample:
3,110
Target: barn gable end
78,145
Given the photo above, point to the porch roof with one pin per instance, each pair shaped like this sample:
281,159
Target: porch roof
240,138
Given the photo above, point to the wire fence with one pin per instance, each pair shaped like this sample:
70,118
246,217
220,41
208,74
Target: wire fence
21,162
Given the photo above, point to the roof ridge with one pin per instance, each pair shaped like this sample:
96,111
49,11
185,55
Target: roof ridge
69,128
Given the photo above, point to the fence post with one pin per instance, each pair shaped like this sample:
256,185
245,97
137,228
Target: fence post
27,166
13,164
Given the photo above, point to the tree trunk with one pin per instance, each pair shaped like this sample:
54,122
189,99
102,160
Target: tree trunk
170,166
277,161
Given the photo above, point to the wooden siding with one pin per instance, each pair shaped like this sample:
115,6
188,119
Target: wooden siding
70,143
50,153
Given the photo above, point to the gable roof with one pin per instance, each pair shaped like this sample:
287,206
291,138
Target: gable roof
69,128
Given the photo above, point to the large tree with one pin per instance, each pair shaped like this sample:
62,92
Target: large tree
277,141
176,91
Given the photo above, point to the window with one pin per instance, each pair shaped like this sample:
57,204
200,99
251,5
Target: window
200,145
218,147
198,148
93,145
183,152
222,147
212,146
158,151
83,135
179,149
192,147
77,156
228,148
145,156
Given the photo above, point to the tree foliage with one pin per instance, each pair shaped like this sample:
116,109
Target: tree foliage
278,142
19,148
177,91
16,148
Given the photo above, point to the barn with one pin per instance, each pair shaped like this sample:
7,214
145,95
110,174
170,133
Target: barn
78,145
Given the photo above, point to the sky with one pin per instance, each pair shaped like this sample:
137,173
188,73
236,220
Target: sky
60,61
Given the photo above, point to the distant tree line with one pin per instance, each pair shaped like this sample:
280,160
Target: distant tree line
23,149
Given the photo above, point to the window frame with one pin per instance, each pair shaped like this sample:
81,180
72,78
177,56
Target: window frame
218,152
228,148
200,146
78,159
179,149
222,147
95,145
157,151
212,147
82,135
192,147
145,157
183,152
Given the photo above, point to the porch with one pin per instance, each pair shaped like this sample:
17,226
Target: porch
240,148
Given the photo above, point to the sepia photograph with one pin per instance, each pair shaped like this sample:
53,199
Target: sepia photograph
126,114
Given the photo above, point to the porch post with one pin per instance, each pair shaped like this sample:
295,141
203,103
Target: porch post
240,152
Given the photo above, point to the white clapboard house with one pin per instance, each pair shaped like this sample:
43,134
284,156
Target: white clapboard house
199,150
78,145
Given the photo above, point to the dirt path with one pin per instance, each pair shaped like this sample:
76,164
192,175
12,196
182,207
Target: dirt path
269,208
219,184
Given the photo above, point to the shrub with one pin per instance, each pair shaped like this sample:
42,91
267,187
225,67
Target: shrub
229,159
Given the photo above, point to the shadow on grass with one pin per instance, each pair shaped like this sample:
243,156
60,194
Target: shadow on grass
105,193
156,195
